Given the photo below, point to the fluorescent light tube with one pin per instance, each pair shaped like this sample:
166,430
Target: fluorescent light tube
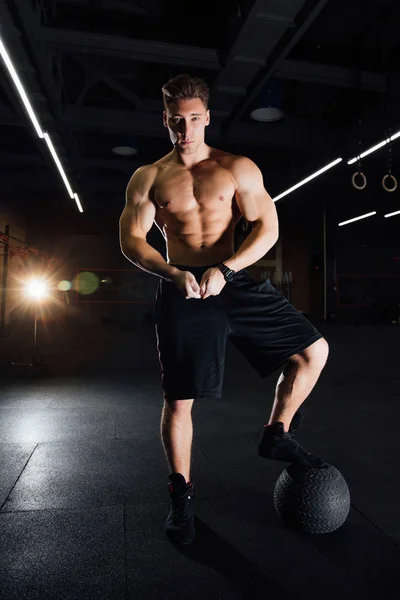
58,163
17,82
357,218
332,164
78,202
7,60
393,137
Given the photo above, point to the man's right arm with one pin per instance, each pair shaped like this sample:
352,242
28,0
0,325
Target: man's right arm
136,221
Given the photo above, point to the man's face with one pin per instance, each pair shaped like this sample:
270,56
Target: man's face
186,121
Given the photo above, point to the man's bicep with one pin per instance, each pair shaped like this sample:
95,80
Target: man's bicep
137,218
253,201
139,213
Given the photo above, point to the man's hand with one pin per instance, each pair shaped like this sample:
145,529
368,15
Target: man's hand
187,284
211,283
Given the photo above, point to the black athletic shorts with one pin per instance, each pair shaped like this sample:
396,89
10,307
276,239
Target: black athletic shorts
192,333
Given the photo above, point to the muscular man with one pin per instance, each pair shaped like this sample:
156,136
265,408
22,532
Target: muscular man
196,194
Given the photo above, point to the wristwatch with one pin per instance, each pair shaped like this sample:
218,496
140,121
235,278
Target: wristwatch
226,272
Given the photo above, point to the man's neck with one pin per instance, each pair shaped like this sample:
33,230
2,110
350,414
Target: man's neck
191,160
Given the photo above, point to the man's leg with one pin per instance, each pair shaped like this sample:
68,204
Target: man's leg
177,435
297,381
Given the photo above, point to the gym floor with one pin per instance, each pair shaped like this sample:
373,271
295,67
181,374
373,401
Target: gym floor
84,480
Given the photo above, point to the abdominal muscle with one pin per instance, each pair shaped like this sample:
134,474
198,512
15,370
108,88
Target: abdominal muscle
196,213
200,246
209,254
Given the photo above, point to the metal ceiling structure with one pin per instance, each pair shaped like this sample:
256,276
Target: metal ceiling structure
94,69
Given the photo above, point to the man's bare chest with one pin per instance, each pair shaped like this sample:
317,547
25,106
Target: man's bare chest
183,190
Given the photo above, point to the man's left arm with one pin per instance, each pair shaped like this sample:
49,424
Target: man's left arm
258,209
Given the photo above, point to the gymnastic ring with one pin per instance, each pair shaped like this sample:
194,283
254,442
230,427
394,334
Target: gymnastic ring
353,180
385,187
245,225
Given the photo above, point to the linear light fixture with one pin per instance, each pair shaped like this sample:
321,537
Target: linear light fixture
358,218
307,179
58,163
392,214
78,202
17,82
42,135
393,137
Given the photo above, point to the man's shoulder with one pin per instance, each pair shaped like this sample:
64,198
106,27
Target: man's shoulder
233,162
145,170
164,161
152,169
143,178
221,155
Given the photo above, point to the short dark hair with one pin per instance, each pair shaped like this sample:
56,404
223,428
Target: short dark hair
184,87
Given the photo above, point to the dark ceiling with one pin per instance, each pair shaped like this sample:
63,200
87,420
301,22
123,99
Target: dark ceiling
94,69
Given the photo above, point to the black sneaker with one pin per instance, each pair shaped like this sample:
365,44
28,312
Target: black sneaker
277,444
180,521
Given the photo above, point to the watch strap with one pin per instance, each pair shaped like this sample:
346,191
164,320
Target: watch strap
226,272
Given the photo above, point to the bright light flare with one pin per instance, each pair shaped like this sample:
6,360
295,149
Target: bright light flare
36,289
64,285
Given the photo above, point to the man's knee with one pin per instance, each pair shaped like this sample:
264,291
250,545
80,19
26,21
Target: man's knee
315,355
179,406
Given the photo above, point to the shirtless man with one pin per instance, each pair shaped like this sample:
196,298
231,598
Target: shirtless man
196,194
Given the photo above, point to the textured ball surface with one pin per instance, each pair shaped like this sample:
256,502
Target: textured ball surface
312,500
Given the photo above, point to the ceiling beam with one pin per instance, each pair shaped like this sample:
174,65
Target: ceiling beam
77,42
253,35
101,75
81,42
298,70
305,17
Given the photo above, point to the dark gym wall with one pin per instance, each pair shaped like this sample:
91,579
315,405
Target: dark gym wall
73,243
298,241
88,242
18,230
